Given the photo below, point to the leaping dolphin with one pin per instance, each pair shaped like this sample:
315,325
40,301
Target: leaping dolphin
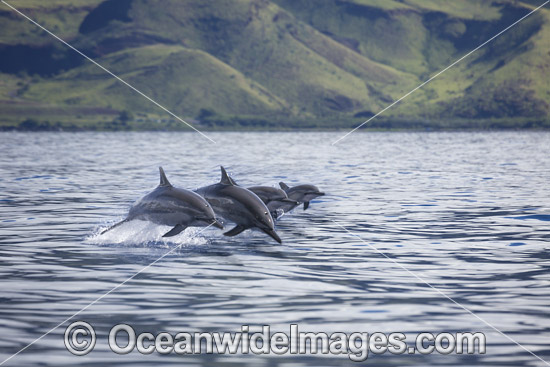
239,205
300,194
171,206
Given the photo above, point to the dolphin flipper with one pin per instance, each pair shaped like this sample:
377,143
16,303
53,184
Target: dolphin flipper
306,205
116,225
277,213
235,231
174,231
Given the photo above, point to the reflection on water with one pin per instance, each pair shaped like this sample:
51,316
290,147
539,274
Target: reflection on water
468,212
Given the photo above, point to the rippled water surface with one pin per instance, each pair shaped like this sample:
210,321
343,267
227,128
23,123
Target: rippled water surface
469,213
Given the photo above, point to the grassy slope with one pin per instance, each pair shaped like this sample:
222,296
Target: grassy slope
507,78
395,34
304,72
415,37
61,17
304,60
311,71
168,74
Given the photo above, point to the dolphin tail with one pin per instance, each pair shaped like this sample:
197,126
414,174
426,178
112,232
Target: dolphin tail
174,231
283,186
271,233
306,205
235,231
116,225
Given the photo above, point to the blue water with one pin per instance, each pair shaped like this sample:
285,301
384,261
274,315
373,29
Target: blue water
467,212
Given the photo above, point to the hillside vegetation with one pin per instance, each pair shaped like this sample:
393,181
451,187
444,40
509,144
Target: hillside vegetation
274,64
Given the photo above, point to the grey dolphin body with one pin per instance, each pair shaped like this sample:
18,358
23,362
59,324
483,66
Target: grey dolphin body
240,206
171,206
273,198
300,194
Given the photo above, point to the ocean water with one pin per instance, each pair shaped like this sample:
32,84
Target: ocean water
467,213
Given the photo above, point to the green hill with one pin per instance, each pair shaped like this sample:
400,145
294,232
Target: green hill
276,64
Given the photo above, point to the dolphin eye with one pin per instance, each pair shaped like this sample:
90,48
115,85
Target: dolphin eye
265,213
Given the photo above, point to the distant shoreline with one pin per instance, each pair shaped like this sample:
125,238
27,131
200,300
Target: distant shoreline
339,129
239,124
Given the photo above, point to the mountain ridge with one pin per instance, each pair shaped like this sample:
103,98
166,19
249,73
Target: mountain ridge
323,63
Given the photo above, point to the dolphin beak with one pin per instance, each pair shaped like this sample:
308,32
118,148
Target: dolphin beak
271,233
320,193
217,224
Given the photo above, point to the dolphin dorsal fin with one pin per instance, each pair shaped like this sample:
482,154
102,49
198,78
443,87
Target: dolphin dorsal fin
163,180
226,180
284,186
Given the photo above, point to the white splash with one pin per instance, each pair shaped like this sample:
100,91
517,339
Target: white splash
139,232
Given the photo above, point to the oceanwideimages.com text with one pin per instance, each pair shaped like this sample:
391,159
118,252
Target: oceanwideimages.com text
80,339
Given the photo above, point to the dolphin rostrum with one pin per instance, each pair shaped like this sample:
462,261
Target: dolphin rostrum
300,194
171,206
239,205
